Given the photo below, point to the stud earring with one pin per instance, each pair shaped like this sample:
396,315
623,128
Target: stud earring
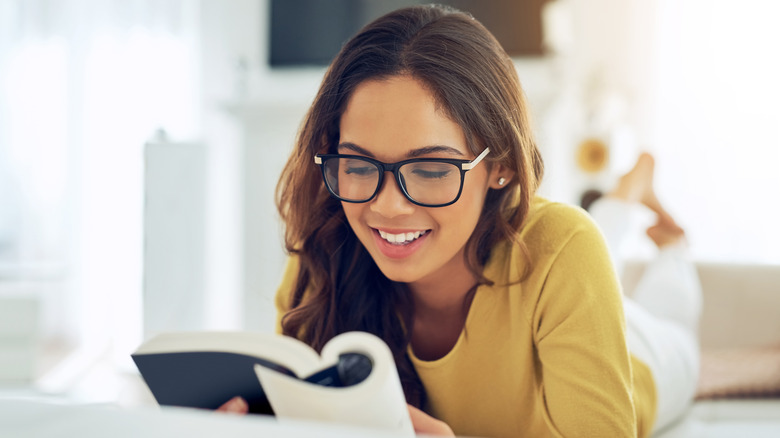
501,181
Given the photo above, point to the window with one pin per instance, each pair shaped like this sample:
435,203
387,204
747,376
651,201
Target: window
85,85
717,118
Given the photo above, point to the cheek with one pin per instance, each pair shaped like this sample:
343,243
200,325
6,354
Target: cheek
353,212
473,200
350,210
472,197
462,217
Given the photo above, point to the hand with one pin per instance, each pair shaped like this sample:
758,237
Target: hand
425,424
235,405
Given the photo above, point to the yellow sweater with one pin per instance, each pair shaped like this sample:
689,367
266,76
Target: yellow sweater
546,356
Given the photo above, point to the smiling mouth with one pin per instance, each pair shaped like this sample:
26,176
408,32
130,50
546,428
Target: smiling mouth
401,238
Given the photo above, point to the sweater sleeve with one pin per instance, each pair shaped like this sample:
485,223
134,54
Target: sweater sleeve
580,338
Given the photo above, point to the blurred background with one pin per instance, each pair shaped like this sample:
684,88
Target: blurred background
140,144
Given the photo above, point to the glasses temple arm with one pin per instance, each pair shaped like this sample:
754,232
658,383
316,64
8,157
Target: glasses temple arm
470,165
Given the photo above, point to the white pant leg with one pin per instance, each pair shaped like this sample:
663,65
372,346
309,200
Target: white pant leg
670,288
618,221
671,351
662,316
662,319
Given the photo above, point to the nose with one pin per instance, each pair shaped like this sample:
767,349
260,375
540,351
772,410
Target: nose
390,201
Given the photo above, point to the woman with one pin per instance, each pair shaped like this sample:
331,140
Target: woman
411,212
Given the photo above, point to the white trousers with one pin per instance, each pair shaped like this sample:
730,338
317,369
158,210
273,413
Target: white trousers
662,314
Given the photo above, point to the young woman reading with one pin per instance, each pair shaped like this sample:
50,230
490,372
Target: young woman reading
411,213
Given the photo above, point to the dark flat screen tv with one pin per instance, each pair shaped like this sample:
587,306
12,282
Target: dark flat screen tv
311,32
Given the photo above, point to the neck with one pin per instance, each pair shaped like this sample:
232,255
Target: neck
441,306
444,295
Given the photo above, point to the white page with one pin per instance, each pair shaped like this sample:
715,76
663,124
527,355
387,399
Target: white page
376,402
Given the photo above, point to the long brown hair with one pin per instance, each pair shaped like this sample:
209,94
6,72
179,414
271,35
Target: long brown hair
339,287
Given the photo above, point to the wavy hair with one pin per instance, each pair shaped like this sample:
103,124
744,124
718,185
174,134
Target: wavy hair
339,287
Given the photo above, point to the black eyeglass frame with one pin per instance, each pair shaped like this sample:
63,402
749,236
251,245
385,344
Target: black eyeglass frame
463,165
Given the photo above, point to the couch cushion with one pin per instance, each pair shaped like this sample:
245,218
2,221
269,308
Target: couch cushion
740,372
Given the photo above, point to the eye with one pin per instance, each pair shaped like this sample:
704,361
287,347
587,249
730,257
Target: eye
358,168
431,174
430,171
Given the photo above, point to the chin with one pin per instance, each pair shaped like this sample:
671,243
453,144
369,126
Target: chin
400,277
395,273
399,274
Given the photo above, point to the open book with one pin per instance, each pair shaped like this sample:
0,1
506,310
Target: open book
354,381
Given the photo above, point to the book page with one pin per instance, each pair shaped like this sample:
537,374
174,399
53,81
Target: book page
376,402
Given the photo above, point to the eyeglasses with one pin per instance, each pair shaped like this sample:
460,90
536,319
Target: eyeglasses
428,182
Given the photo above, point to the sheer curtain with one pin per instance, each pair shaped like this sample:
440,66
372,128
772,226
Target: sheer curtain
84,84
717,125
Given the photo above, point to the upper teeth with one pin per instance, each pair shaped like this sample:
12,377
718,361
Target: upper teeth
402,237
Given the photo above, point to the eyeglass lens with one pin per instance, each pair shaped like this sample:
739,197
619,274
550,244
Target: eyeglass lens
425,182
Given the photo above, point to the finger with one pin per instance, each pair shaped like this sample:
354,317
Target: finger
235,405
425,424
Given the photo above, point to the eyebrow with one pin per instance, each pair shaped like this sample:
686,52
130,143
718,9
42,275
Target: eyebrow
414,153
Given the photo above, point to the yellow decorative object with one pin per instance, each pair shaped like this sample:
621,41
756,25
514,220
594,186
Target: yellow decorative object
592,155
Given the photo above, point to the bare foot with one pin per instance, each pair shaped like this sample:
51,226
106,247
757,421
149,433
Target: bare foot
665,233
637,182
637,186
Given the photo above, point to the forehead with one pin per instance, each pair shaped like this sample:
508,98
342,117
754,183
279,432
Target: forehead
394,115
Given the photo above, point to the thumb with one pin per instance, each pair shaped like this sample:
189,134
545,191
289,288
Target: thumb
427,425
235,405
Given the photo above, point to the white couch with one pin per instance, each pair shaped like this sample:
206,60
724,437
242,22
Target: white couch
741,311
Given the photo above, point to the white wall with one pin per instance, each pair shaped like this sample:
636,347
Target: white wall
229,33
251,116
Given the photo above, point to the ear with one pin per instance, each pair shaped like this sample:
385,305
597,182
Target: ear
499,177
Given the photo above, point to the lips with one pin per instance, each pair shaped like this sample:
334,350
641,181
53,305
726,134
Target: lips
399,244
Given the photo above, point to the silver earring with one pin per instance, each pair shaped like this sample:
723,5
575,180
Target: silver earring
501,181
